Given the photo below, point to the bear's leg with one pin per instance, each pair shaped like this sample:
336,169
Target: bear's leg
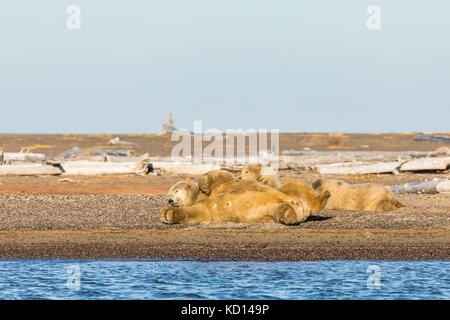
191,214
388,205
321,201
172,215
399,204
286,214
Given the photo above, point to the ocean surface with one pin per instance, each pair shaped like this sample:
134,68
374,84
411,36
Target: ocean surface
206,279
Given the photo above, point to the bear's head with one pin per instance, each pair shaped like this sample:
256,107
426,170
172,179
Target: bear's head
212,179
251,171
327,185
261,173
183,193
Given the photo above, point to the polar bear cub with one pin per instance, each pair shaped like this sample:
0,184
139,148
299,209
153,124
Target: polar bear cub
261,173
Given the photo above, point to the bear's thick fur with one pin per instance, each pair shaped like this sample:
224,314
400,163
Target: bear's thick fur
184,193
214,180
357,197
232,200
261,173
316,201
296,188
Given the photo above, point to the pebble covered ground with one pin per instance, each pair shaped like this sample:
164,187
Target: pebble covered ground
128,226
130,212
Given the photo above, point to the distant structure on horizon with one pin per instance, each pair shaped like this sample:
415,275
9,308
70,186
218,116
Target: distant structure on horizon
168,125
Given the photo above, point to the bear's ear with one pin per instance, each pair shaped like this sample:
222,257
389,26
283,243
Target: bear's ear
323,198
203,185
316,184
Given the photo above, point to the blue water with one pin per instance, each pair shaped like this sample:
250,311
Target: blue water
197,279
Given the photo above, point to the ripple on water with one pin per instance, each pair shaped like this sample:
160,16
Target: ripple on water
201,279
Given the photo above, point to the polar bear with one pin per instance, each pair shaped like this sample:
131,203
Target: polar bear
261,173
214,181
316,201
232,200
357,197
295,188
184,193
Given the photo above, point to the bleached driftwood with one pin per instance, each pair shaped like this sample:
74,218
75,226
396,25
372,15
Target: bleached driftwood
114,152
306,160
184,167
441,163
358,168
24,156
432,138
117,141
443,187
358,155
31,169
427,186
72,153
89,168
439,152
114,159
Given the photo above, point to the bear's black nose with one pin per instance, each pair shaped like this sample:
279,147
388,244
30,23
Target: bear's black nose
170,201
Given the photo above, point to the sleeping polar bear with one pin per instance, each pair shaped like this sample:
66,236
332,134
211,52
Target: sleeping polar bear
296,188
231,200
357,197
261,173
184,193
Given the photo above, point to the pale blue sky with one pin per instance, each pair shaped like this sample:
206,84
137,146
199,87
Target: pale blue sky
292,65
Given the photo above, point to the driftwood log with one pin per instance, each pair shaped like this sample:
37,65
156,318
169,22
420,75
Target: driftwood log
440,152
184,167
89,168
72,153
306,160
114,152
351,155
117,141
107,158
24,156
437,138
427,186
443,187
29,169
424,164
358,168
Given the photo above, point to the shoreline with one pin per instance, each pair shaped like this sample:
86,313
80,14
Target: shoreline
223,244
